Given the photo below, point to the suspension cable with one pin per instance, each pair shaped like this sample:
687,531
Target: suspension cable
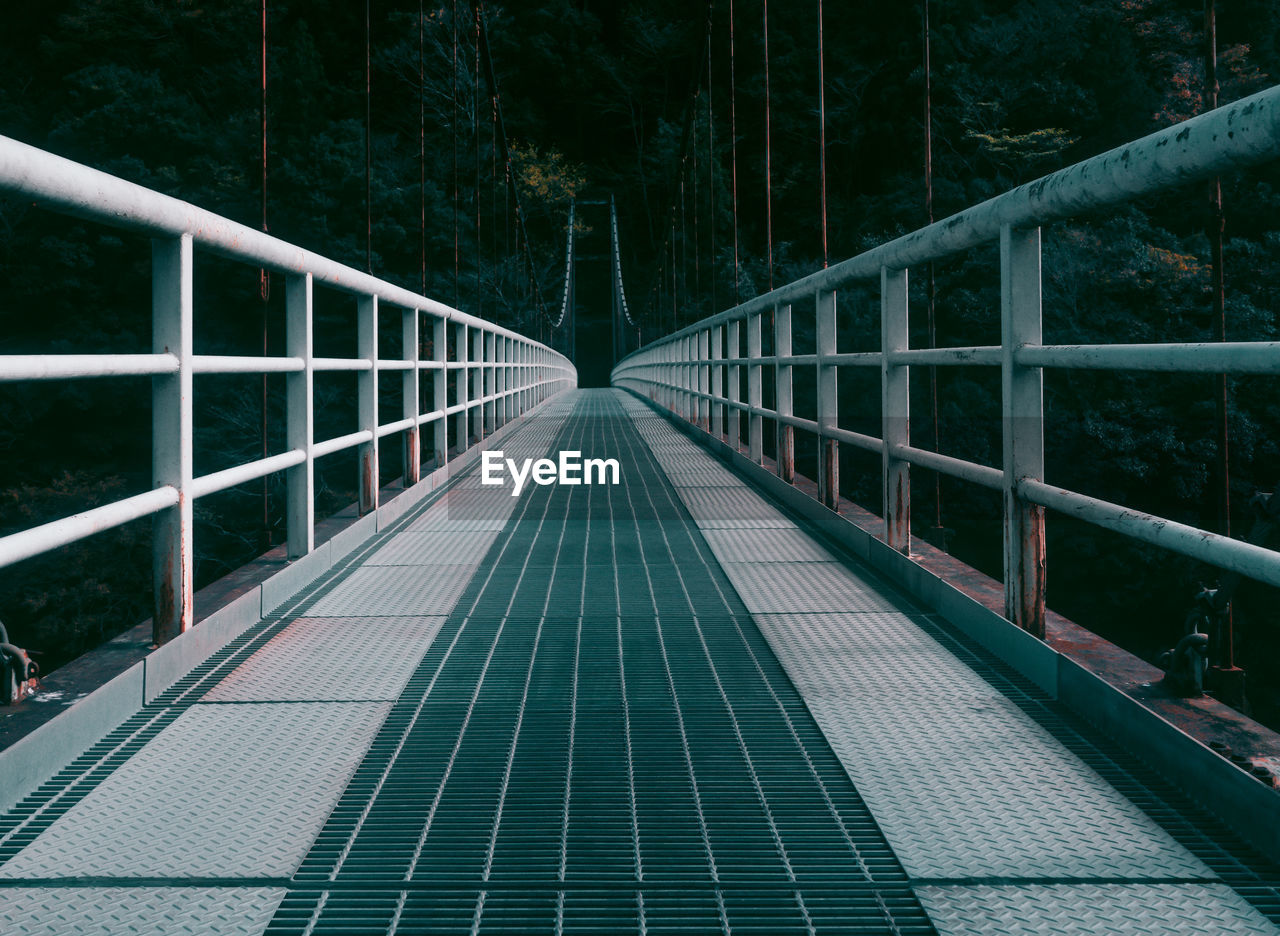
475,126
931,286
568,270
768,163
711,175
822,138
457,253
422,150
264,288
368,139
733,151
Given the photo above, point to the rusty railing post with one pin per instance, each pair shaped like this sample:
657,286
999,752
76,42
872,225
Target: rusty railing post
300,415
171,435
828,417
440,387
1023,406
895,409
367,395
717,382
732,413
412,435
785,432
755,396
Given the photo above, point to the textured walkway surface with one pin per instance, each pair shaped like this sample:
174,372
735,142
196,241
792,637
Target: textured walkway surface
653,707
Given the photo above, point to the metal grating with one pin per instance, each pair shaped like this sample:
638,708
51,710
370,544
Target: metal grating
599,740
435,548
396,591
777,545
779,587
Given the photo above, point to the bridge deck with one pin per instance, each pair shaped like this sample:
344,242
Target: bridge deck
655,707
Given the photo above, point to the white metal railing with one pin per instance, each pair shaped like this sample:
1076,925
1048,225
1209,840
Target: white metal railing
697,371
500,374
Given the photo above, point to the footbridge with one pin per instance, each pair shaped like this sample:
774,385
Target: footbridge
713,697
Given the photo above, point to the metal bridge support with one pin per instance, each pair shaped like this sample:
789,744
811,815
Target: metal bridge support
299,387
895,388
717,382
704,380
440,388
732,413
478,423
460,381
1023,404
755,397
412,447
786,433
490,355
367,394
171,436
828,448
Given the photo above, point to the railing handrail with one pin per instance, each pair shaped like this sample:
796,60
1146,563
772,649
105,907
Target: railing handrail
500,374
697,370
75,189
1233,136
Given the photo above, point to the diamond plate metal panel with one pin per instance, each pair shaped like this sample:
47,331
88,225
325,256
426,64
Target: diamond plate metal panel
110,911
731,508
434,548
962,781
781,587
225,791
395,591
779,545
1092,909
331,660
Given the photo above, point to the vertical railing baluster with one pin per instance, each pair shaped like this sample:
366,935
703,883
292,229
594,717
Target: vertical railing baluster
171,436
412,447
704,379
440,387
785,432
1023,418
717,382
828,417
367,395
299,389
490,371
732,413
478,362
895,403
462,386
755,393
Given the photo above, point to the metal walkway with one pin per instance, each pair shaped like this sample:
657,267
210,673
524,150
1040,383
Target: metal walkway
653,707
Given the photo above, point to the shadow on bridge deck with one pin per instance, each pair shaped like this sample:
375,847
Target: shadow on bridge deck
656,706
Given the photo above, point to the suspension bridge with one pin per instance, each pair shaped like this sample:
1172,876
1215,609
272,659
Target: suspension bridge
712,697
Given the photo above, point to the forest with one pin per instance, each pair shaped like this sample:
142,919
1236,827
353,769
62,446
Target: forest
445,161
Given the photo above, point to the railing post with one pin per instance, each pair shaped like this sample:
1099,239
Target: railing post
499,380
828,448
440,387
478,361
732,414
755,395
412,448
717,382
367,394
461,379
1023,399
786,433
171,435
490,371
704,379
895,403
300,415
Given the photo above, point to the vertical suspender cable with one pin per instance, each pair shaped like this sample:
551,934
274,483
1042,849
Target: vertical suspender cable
768,163
930,286
368,140
1217,224
422,151
822,139
454,124
475,123
733,151
697,238
264,286
711,178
